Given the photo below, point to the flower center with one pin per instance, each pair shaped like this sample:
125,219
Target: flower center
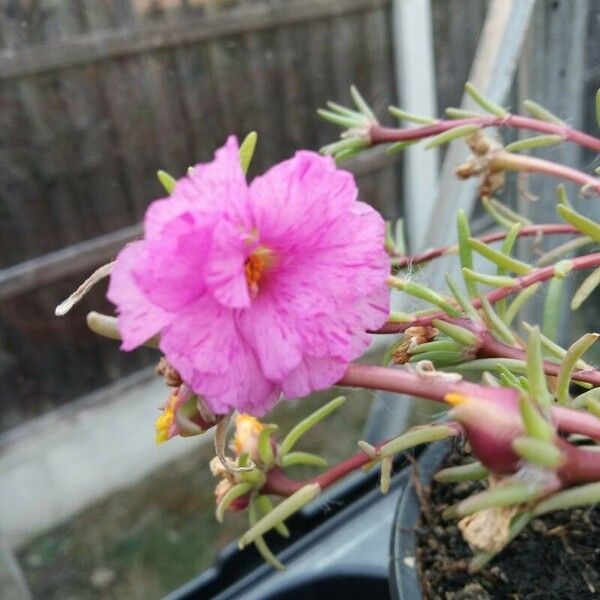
255,266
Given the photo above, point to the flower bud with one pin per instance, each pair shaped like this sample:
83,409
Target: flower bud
245,440
491,425
184,414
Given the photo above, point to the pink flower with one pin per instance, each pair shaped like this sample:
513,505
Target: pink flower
260,289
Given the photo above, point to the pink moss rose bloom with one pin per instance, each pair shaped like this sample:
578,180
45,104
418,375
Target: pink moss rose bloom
256,290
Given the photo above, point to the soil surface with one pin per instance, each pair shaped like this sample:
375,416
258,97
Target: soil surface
555,557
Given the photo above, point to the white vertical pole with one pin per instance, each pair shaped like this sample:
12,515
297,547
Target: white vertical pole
416,91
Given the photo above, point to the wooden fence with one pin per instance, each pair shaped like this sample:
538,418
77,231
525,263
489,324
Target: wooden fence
96,95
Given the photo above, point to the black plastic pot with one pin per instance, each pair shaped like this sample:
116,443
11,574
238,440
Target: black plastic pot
404,578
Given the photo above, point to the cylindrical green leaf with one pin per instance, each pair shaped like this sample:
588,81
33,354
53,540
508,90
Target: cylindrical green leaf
420,291
554,349
415,437
457,333
238,490
491,280
536,376
464,249
462,299
303,458
280,513
502,260
555,253
484,102
412,117
399,146
308,423
337,119
495,323
503,214
265,448
166,180
260,543
535,424
589,284
265,506
505,494
247,148
517,304
458,113
385,475
582,495
437,346
438,358
450,135
491,364
582,399
537,141
552,305
583,224
574,353
470,472
593,405
343,110
361,104
539,112
538,452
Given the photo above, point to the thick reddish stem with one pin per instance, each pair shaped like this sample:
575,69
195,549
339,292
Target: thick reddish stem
502,160
386,135
549,229
536,276
437,386
280,484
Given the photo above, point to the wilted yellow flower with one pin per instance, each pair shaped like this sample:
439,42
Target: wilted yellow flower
245,441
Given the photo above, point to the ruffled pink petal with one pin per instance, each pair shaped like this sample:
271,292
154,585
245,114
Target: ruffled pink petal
312,374
139,319
247,390
221,186
297,199
225,275
210,188
202,339
204,345
171,273
274,338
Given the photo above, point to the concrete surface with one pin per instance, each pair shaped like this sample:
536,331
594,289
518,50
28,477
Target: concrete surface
53,466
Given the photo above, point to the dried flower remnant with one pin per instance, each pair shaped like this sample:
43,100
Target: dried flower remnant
183,414
256,290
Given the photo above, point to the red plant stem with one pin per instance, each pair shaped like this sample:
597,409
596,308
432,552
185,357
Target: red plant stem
280,484
549,229
500,161
436,388
536,276
386,135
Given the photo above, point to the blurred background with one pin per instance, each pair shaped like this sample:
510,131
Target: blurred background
95,97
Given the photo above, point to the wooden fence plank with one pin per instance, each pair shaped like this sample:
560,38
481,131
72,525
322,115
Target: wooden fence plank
102,46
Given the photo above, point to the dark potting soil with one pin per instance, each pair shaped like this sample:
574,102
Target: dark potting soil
555,557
